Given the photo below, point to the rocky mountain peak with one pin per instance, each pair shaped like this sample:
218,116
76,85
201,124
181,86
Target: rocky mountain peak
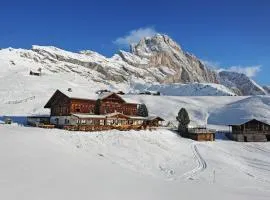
240,83
162,51
155,60
156,44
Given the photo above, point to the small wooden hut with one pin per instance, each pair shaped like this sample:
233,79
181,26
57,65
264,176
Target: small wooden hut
154,121
34,73
201,134
250,131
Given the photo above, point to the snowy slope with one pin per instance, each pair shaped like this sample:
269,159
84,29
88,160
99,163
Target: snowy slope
192,89
20,97
22,94
256,107
240,83
55,164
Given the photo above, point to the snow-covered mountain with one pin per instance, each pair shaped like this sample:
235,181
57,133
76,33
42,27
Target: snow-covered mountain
179,89
240,83
166,56
158,61
267,89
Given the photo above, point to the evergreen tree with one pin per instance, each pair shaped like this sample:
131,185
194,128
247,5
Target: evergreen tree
183,119
97,107
142,110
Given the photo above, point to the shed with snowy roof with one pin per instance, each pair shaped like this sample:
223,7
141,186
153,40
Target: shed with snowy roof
252,130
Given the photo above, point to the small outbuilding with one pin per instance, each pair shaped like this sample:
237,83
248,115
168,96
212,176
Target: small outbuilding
250,131
154,121
201,134
41,121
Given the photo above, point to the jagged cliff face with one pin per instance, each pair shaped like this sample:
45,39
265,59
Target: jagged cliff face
161,51
157,60
153,60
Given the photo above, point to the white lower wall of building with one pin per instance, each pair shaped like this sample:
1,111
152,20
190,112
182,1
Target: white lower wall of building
63,120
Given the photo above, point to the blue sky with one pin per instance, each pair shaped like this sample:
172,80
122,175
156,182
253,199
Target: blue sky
232,34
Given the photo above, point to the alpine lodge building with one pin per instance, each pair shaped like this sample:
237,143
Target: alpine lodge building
108,111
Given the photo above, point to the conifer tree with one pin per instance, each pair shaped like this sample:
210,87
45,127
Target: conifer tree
183,119
97,107
142,110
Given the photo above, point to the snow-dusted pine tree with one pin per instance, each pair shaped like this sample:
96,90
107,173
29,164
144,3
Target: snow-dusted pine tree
183,119
142,110
97,107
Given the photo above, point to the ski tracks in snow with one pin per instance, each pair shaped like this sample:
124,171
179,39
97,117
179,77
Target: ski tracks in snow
253,168
201,163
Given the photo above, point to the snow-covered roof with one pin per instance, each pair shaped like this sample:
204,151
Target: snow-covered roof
138,117
115,113
87,116
244,121
155,117
104,95
80,94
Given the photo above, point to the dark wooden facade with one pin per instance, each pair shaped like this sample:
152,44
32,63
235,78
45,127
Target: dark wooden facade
201,134
154,121
82,106
62,105
114,103
108,111
250,131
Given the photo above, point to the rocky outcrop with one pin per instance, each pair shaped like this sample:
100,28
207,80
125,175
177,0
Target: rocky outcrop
162,51
240,83
267,89
156,60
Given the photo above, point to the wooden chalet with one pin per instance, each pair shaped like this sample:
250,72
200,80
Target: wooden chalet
201,134
104,111
33,73
250,131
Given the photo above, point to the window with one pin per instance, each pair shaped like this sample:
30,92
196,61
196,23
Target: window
77,108
66,121
101,122
109,121
83,121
